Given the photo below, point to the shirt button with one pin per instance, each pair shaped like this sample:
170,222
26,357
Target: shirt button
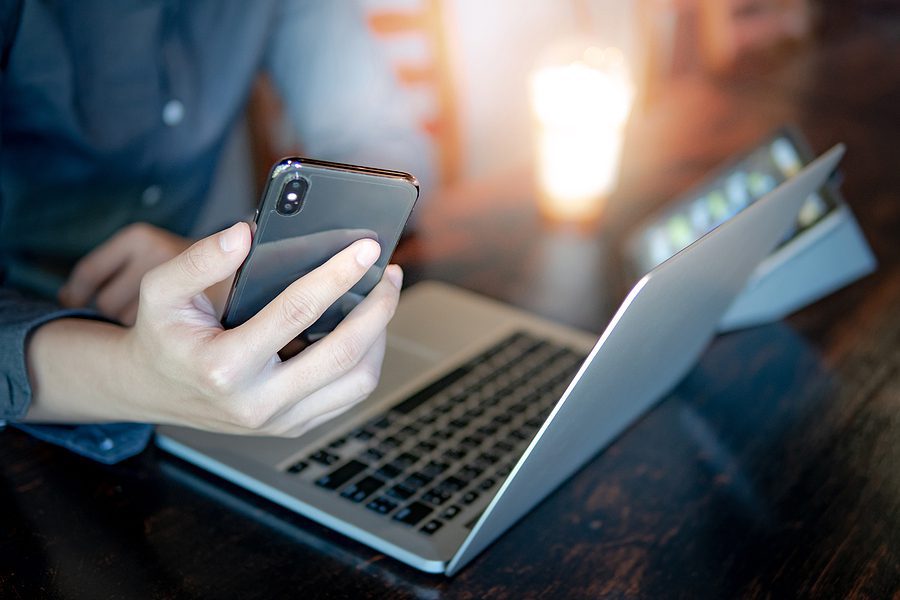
107,444
151,196
173,113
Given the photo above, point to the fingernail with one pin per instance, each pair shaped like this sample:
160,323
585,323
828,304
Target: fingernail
395,275
367,253
230,239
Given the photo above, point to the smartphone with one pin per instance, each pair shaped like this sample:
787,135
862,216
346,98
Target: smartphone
310,211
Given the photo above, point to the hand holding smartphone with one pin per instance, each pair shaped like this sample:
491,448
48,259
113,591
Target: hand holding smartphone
310,211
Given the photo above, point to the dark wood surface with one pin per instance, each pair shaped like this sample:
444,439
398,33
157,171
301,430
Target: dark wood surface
773,470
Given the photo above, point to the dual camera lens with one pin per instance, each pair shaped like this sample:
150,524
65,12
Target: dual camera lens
292,196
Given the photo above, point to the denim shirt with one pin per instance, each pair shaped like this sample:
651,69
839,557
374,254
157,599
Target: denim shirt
117,112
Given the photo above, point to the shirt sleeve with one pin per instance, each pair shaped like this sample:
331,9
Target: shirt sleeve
340,92
19,316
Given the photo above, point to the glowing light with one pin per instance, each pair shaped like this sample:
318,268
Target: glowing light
581,107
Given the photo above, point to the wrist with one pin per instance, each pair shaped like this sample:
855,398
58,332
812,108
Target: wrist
78,372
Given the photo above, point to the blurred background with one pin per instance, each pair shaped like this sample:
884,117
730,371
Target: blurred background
469,70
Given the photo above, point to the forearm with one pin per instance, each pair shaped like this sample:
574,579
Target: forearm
80,373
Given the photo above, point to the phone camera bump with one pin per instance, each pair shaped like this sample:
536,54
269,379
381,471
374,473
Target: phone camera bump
290,201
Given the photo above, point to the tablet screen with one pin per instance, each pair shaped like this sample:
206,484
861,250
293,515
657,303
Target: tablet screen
724,195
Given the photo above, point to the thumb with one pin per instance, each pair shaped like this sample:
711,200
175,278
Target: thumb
205,263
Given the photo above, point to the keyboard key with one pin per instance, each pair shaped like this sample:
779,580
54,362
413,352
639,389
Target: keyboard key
382,505
405,460
443,434
436,496
503,447
470,497
431,526
363,434
425,446
389,443
362,489
459,423
487,430
297,467
401,492
341,475
428,418
417,480
452,484
529,399
505,470
487,457
372,455
434,468
469,442
525,432
450,512
484,461
382,422
469,472
324,457
422,396
407,431
413,513
519,407
455,454
534,422
487,484
389,471
338,442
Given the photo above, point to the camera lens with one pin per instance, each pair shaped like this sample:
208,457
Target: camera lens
292,196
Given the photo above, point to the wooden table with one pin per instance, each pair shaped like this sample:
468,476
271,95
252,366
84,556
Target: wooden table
773,470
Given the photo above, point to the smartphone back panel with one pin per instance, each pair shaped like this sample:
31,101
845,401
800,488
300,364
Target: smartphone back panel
310,211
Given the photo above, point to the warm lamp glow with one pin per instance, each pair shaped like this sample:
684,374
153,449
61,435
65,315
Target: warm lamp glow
581,107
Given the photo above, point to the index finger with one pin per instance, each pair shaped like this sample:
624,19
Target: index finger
302,303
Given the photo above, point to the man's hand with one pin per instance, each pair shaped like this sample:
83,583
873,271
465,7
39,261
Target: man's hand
110,276
177,365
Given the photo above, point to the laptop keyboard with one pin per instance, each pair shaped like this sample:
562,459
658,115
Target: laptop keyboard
426,459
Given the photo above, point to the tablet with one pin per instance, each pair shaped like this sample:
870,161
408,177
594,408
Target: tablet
725,193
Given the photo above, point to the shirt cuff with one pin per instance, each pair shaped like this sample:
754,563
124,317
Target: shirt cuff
107,443
15,327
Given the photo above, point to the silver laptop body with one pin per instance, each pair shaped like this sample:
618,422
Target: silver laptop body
601,386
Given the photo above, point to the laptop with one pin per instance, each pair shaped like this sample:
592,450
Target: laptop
484,409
